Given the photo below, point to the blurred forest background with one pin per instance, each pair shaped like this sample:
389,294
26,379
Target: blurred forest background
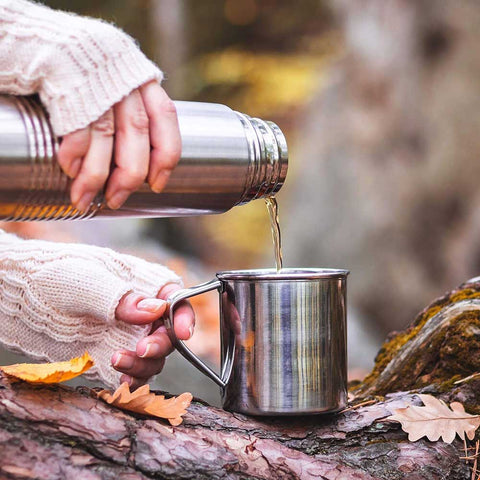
380,103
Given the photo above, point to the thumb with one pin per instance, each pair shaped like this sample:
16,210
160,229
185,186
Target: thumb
139,310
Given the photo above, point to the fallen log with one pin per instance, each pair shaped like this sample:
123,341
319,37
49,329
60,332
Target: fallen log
56,432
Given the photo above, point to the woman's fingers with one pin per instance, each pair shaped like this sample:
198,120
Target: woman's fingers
96,164
184,321
149,358
73,148
132,150
184,318
164,134
156,345
129,363
147,146
138,310
134,382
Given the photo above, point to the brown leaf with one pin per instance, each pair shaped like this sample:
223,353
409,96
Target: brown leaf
143,401
50,372
435,420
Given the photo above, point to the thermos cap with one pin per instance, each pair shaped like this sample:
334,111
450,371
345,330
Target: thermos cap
269,158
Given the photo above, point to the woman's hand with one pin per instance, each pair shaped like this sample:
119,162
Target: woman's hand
141,131
149,357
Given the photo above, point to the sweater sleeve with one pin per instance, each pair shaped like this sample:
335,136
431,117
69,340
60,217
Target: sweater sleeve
58,300
79,66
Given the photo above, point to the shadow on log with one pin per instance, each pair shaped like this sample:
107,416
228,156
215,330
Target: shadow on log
56,432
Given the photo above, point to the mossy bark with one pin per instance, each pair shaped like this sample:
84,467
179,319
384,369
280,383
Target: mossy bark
441,346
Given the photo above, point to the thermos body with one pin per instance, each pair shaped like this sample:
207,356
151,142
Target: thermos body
227,159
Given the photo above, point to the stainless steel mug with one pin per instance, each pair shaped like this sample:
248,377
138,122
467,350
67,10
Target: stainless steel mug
283,340
227,159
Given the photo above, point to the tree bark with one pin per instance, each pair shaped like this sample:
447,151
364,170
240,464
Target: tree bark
56,432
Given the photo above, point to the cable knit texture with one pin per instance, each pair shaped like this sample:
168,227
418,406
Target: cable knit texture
58,300
79,66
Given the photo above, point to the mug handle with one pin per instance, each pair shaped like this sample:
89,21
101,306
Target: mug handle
227,360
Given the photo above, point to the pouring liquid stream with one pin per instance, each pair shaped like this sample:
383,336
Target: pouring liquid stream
272,207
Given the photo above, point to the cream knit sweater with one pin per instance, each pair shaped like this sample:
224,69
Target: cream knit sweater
58,300
79,66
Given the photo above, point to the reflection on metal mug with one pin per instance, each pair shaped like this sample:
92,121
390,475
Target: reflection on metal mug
283,340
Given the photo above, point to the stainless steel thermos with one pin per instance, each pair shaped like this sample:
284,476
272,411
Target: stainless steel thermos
227,159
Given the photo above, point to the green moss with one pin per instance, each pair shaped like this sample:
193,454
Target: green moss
449,356
459,295
448,385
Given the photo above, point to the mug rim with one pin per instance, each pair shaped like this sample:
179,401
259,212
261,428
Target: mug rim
284,274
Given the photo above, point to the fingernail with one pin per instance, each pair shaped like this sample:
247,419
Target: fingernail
118,199
190,330
152,305
152,350
160,181
85,201
123,361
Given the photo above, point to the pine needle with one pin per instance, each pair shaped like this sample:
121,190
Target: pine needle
354,407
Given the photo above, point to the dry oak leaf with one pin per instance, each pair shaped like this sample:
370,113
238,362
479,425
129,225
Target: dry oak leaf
50,372
435,420
146,402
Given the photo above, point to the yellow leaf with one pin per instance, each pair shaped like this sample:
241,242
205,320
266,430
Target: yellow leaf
436,420
50,372
143,401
